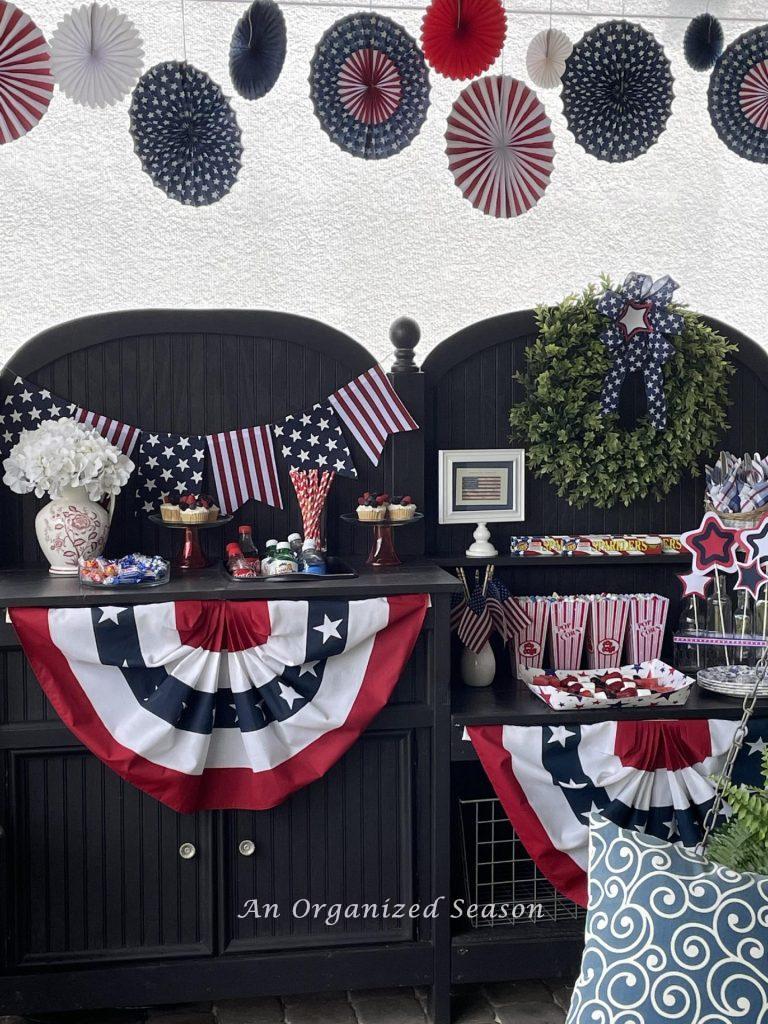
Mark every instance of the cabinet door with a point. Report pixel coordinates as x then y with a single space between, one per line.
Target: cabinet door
344 841
101 871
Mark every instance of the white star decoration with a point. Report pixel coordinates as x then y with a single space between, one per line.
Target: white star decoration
329 629
110 613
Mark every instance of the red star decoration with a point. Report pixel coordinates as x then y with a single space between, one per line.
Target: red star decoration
712 545
629 316
751 577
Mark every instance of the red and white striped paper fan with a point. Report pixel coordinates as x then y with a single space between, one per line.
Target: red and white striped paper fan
500 145
26 82
369 86
753 94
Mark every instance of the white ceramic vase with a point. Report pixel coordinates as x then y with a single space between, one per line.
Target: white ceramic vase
478 669
72 527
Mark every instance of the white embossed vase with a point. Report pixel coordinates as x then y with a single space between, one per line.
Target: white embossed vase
72 527
478 669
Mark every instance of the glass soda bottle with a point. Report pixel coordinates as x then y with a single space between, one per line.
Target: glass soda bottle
237 565
689 658
269 558
314 561
743 625
294 539
719 620
284 561
248 548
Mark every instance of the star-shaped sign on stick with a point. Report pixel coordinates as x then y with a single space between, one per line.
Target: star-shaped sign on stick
695 583
755 540
712 545
751 577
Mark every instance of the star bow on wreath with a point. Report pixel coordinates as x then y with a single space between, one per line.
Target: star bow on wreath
638 339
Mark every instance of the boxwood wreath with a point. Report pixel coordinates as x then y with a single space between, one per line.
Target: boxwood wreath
590 458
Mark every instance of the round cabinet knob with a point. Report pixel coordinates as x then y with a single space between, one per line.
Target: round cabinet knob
247 847
187 851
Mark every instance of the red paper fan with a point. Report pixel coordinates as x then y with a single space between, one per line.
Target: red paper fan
500 146
462 38
26 82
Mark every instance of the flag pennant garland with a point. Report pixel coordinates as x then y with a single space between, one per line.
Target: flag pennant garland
168 464
243 464
651 776
371 410
221 704
314 440
475 625
121 435
25 407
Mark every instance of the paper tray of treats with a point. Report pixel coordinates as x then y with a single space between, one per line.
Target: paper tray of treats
646 684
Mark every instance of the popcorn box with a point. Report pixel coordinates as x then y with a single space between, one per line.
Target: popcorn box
608 616
531 617
567 629
647 619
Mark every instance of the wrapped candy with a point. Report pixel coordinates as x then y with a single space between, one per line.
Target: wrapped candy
126 571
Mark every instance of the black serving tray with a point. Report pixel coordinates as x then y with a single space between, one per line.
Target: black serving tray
337 570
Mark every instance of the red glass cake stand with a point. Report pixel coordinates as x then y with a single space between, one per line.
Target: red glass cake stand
382 554
190 556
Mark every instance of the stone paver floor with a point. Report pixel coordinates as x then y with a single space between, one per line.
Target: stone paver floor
534 1002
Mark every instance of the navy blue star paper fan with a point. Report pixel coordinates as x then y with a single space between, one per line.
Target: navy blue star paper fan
370 86
185 133
617 91
314 440
257 50
738 95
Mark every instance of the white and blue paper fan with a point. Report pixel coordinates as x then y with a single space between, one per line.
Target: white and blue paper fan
370 85
257 50
185 133
617 91
738 95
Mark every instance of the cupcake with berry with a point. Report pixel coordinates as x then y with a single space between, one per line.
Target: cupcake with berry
402 506
198 508
372 507
169 510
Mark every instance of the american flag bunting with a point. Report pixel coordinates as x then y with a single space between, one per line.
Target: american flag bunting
314 440
243 464
168 464
372 410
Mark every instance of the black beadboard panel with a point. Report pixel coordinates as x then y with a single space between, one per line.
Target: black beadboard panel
21 697
345 839
97 869
198 383
411 687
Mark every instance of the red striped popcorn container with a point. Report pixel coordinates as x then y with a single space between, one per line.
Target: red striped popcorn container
608 616
647 619
567 630
529 632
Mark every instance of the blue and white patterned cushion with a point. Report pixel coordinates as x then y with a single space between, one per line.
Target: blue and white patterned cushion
670 938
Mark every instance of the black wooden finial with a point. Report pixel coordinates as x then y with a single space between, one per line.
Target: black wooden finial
404 335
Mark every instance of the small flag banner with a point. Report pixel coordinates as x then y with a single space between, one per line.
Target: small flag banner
314 440
121 435
243 463
221 704
371 409
651 776
168 465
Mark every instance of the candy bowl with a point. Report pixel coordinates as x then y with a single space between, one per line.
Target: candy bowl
129 571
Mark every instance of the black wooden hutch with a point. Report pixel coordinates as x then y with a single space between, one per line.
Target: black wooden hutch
97 906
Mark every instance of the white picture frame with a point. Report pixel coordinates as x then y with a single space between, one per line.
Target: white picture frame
481 485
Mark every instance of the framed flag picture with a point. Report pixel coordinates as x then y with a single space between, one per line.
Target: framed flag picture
482 486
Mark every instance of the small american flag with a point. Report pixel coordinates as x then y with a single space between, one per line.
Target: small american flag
168 464
475 625
314 440
502 609
243 463
486 488
371 409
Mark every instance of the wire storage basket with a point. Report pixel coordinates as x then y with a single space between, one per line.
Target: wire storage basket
503 885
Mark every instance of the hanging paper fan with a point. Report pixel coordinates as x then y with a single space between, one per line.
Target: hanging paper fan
257 50
547 53
617 91
26 83
96 55
738 95
369 85
462 38
703 42
500 146
185 133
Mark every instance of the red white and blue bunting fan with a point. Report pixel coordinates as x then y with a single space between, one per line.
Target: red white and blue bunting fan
185 133
26 82
500 146
738 95
703 42
638 339
96 55
257 50
369 85
462 38
546 56
617 91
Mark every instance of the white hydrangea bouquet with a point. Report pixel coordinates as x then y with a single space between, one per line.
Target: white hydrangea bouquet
64 453
76 467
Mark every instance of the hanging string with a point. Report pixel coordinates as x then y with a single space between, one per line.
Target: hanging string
92 12
184 31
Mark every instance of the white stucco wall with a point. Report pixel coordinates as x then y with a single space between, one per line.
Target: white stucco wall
355 243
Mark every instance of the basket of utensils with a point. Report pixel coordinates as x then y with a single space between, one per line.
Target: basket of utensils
737 489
